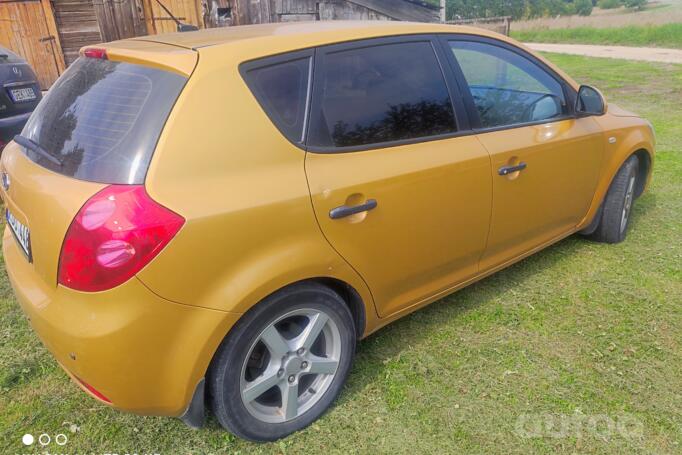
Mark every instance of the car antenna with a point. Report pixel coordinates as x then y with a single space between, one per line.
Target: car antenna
181 27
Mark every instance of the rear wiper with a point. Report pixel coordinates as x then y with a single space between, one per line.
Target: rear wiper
35 147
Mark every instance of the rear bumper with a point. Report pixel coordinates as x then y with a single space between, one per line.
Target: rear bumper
143 353
11 126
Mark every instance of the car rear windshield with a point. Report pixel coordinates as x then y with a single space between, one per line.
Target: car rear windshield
101 120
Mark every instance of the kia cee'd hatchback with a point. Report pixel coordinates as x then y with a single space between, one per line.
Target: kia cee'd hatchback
211 220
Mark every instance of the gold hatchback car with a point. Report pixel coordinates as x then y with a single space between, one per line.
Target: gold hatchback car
212 219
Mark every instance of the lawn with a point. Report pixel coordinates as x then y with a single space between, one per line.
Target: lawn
667 35
575 349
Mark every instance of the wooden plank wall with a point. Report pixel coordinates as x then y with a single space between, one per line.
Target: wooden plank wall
77 25
296 10
261 11
24 29
50 39
401 10
119 19
187 11
342 10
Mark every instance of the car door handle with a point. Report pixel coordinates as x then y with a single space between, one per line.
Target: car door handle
506 170
344 210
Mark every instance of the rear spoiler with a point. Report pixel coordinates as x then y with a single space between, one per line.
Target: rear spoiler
146 52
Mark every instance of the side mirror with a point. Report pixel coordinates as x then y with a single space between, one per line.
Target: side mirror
590 101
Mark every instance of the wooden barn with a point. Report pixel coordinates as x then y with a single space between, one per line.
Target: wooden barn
49 33
259 11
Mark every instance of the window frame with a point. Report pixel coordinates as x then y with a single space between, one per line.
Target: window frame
569 93
459 111
278 59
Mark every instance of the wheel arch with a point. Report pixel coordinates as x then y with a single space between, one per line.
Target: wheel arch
349 294
645 159
633 145
353 299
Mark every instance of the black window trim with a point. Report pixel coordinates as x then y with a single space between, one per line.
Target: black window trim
569 93
459 111
466 115
278 59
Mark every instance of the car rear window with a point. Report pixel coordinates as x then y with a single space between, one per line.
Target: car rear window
102 119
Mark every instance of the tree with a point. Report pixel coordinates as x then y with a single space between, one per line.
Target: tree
583 7
637 4
609 4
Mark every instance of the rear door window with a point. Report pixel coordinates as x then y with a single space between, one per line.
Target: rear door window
282 88
101 120
380 94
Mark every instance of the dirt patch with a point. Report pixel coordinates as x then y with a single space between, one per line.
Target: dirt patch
648 54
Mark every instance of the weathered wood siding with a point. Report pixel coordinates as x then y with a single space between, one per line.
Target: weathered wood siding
27 27
400 10
49 33
77 25
295 10
119 19
261 11
341 10
187 11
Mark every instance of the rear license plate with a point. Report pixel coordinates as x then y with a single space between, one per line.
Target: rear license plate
22 95
21 233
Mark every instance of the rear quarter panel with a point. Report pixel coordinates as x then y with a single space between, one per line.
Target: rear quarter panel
250 227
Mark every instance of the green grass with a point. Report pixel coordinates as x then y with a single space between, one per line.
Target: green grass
667 35
580 329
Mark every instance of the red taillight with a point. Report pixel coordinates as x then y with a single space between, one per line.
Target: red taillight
95 52
116 233
93 390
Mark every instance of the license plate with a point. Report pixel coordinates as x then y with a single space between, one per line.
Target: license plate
21 233
21 95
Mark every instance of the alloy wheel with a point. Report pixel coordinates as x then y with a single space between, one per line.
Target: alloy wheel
627 205
290 365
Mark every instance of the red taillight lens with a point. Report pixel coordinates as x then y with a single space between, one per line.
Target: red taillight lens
93 390
95 52
116 233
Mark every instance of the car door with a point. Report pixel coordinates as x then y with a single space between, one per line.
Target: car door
400 187
545 161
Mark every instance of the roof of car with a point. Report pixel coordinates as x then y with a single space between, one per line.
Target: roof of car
247 42
317 31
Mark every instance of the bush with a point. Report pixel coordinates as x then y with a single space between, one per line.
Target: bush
638 4
609 4
583 7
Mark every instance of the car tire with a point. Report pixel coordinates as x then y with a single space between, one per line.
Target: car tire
273 349
617 205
